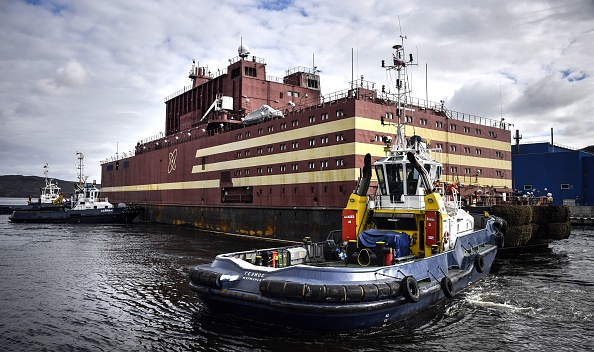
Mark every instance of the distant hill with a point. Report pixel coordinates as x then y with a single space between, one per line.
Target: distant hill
18 186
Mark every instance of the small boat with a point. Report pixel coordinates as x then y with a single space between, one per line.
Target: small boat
50 198
403 248
86 206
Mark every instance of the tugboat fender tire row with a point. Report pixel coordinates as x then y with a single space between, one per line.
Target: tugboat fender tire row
479 263
337 293
206 277
447 286
410 289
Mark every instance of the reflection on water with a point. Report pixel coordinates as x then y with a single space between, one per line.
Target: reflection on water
89 287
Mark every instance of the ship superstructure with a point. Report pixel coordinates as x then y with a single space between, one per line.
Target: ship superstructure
249 153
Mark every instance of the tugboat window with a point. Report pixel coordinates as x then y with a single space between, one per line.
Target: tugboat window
395 176
412 180
381 179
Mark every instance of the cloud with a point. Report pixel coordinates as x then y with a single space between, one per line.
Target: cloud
84 76
71 76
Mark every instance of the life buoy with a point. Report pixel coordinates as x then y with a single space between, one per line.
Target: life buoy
447 286
450 188
364 257
446 237
479 263
410 289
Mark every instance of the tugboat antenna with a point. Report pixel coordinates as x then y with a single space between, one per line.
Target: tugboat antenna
81 174
400 28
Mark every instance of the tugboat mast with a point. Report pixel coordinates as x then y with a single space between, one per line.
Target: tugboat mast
82 180
402 88
45 171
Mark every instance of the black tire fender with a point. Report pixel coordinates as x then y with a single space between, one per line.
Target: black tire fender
410 289
447 286
479 263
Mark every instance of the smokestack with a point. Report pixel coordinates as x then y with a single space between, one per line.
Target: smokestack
517 138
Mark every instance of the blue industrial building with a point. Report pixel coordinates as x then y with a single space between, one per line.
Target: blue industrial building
542 168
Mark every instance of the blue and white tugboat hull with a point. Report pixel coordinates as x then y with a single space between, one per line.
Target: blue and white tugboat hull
325 296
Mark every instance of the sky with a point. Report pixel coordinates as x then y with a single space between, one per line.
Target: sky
91 76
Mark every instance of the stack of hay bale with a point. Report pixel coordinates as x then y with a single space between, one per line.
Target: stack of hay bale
527 225
551 223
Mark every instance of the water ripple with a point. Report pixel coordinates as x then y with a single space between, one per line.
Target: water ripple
125 288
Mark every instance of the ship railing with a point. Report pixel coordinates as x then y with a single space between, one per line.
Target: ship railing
499 199
178 138
155 137
390 99
335 96
450 195
248 58
119 156
315 103
440 109
209 74
362 83
274 79
179 92
300 69
403 202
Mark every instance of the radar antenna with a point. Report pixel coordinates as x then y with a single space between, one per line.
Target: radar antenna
243 50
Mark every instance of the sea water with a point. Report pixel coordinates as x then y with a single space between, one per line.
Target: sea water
76 287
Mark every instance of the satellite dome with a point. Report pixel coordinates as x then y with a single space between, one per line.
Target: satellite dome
243 50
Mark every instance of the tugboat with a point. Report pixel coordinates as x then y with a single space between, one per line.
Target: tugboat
50 198
51 194
86 206
402 249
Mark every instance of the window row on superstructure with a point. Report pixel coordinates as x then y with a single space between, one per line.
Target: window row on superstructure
284 125
284 146
311 165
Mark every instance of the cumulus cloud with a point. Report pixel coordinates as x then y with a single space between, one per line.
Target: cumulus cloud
70 76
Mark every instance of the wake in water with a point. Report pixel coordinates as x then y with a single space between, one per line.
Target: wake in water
501 306
490 296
